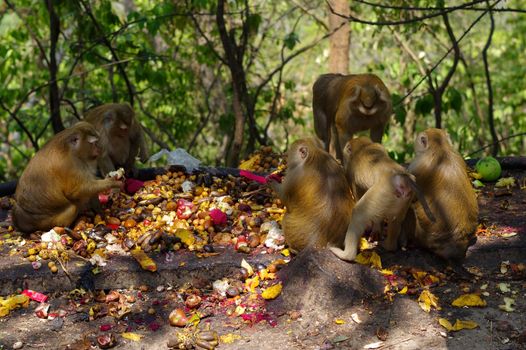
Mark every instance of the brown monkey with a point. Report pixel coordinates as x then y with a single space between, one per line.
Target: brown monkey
121 133
384 190
60 181
441 174
317 196
345 104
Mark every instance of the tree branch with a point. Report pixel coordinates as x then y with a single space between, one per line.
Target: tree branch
33 35
456 54
205 119
54 96
107 43
431 8
447 10
491 119
447 53
20 124
496 141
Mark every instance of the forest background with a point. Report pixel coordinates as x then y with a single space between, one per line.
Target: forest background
222 78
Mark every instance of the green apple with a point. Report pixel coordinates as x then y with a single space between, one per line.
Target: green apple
489 168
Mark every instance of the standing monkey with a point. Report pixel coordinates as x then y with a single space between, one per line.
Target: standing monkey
384 190
317 196
441 174
122 135
60 181
345 104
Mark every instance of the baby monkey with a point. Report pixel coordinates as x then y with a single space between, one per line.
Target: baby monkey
385 191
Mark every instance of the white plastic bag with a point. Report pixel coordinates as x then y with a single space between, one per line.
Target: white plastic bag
177 157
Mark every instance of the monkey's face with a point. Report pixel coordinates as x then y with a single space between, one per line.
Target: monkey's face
85 143
118 123
122 126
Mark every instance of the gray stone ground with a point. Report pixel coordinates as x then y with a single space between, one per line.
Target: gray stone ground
316 284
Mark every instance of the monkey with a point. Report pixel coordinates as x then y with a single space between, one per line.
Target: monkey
317 197
384 190
441 174
122 135
345 104
59 181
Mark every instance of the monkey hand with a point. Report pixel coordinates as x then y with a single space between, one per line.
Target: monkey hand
144 157
275 185
116 183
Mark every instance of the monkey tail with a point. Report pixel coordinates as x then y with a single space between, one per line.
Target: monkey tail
421 198
350 245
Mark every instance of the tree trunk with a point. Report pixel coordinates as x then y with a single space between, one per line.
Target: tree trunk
54 99
340 40
237 144
234 59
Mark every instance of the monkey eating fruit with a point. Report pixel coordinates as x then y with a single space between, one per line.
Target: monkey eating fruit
60 180
121 134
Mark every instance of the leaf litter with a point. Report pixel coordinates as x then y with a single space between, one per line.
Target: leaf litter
160 218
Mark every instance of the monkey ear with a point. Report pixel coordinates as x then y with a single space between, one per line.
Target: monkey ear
422 139
74 140
303 152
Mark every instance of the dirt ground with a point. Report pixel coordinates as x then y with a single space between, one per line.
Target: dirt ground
324 304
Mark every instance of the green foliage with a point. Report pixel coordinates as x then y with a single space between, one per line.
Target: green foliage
424 105
453 100
291 39
399 109
173 57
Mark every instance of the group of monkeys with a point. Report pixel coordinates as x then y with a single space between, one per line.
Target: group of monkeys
61 179
431 204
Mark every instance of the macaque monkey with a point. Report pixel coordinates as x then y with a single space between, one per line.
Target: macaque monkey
441 174
384 190
317 196
122 135
345 104
60 181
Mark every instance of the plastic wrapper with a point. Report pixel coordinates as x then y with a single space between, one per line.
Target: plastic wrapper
177 157
36 296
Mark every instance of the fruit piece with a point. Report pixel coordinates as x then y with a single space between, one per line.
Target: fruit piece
489 168
272 292
192 301
144 260
178 318
106 341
